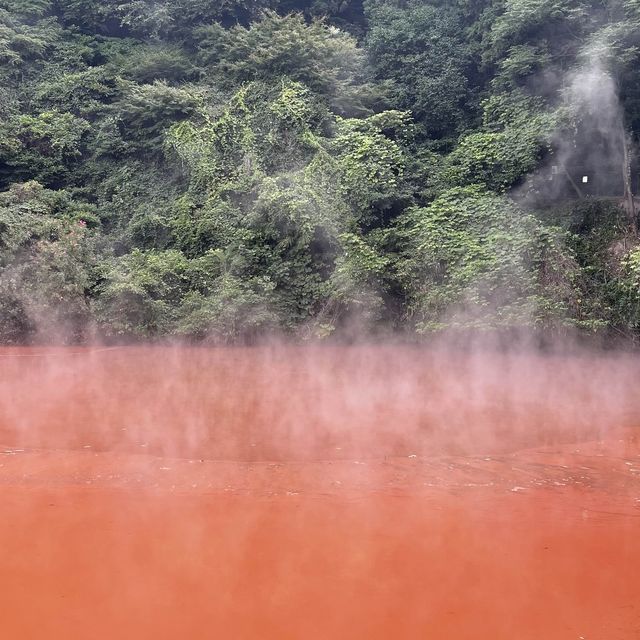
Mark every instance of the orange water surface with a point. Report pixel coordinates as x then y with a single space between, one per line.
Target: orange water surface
303 492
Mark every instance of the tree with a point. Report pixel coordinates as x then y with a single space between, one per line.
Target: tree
476 261
48 254
420 49
45 147
216 169
145 111
372 157
140 292
317 55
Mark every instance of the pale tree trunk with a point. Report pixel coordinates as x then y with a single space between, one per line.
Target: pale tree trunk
628 203
572 182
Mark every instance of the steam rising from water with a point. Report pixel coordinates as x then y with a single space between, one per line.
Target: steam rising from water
288 403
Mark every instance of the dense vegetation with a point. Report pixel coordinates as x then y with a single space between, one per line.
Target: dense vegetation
221 168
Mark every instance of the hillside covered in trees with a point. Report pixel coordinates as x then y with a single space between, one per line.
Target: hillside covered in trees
219 169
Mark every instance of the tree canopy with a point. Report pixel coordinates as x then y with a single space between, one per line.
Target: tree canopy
222 169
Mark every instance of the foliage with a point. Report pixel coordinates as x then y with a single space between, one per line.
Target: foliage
221 169
145 111
319 56
495 160
419 48
604 250
45 147
483 263
47 259
371 156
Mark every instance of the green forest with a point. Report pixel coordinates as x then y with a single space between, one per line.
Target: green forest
225 169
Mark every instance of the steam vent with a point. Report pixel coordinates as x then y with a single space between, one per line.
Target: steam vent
595 169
